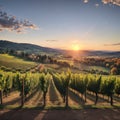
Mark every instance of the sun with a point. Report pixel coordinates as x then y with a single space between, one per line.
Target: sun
75 47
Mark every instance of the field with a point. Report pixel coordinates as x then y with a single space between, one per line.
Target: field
34 96
60 60
29 101
33 108
15 63
83 67
76 68
55 107
55 101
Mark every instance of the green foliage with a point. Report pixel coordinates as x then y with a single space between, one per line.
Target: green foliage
79 82
58 80
44 82
31 81
11 63
94 84
62 82
2 82
108 86
117 87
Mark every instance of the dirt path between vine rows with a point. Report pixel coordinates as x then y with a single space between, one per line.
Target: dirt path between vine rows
84 114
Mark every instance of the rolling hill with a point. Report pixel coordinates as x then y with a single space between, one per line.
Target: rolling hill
32 48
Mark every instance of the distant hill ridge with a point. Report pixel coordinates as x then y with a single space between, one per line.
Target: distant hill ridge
4 44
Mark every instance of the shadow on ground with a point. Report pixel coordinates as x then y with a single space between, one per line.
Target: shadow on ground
63 114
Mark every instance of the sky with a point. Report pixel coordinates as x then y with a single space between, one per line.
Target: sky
64 24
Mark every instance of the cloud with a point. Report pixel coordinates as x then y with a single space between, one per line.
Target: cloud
11 23
96 5
51 40
85 1
116 2
115 44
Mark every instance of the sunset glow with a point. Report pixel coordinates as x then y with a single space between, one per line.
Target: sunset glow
75 47
62 24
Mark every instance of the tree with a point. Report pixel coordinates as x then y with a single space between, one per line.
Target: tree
2 85
86 85
20 87
114 71
59 85
79 82
67 82
108 88
117 87
8 84
94 86
44 83
62 82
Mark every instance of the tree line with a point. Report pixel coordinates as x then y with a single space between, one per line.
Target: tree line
111 63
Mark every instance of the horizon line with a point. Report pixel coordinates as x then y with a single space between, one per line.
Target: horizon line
62 48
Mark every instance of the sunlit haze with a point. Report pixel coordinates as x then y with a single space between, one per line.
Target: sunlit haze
75 47
62 24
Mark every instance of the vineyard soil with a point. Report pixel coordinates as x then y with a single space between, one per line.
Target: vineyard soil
87 114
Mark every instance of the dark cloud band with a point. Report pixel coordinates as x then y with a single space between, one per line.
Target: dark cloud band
51 40
116 2
11 23
115 44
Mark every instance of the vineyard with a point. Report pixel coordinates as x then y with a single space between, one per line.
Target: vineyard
57 90
12 63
